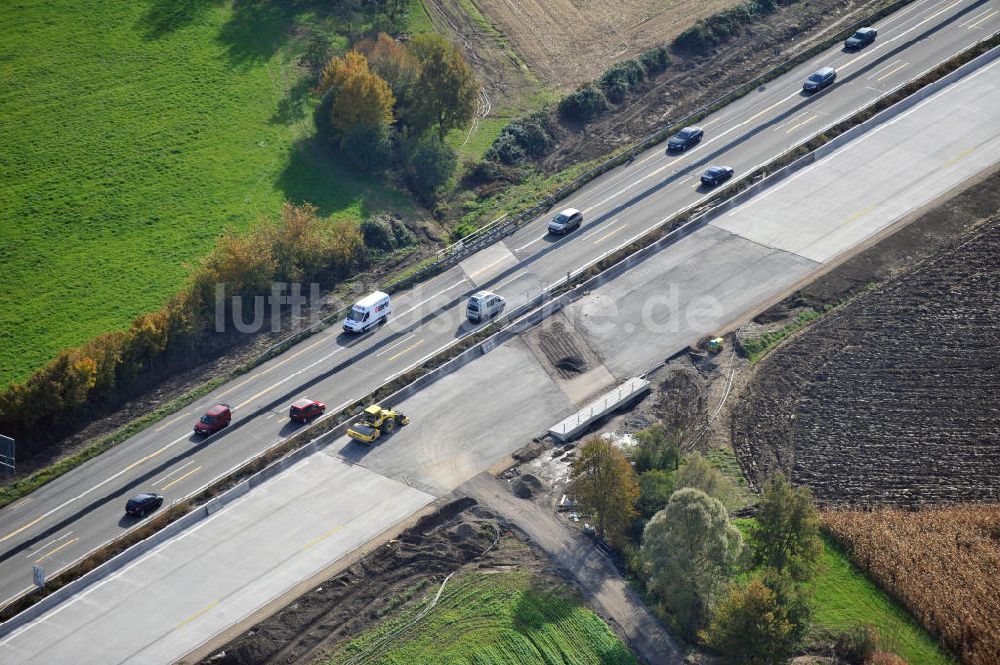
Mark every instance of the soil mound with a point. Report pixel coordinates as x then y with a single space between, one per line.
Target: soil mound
527 486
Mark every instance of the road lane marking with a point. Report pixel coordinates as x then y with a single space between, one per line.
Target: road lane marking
182 466
196 614
610 233
503 258
859 214
978 18
891 72
88 491
174 482
51 542
186 414
407 349
960 156
538 239
51 552
517 275
20 502
762 112
882 69
426 300
293 375
799 124
323 537
405 339
275 366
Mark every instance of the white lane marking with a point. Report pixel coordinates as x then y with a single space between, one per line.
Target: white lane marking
51 542
538 239
517 275
882 44
975 26
291 376
427 300
157 482
390 348
892 71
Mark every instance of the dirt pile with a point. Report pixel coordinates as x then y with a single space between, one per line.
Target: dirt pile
895 398
346 604
527 486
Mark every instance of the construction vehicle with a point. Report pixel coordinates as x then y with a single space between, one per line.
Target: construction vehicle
714 345
376 422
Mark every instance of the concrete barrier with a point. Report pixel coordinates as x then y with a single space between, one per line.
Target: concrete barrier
610 401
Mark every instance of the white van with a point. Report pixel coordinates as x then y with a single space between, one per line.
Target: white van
484 305
372 310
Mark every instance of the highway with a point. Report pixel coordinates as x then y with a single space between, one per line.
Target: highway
186 591
67 518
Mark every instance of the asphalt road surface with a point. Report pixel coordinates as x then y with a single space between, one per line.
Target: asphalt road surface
171 599
62 521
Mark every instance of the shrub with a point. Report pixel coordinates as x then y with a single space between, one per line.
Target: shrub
367 146
585 104
403 235
460 231
655 60
524 137
695 40
430 165
750 626
620 78
858 644
655 488
378 235
654 450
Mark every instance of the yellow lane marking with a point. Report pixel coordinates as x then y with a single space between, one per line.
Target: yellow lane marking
406 350
482 270
774 105
323 537
170 422
196 614
393 346
177 480
799 124
609 234
960 156
51 552
892 71
972 26
274 366
859 214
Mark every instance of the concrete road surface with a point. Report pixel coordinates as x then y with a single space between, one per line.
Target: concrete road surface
170 600
64 520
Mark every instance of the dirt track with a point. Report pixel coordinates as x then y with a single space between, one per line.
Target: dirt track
895 398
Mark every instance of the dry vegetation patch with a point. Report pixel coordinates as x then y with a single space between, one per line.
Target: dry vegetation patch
942 563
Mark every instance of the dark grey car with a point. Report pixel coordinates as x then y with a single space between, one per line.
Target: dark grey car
143 504
863 37
820 79
685 138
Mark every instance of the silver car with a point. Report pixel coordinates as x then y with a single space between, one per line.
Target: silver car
566 221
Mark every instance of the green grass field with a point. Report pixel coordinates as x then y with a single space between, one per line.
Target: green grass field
133 133
501 618
845 597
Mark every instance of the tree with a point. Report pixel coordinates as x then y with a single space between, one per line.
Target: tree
699 473
430 165
689 549
603 483
786 537
750 626
397 66
655 488
655 450
446 89
360 97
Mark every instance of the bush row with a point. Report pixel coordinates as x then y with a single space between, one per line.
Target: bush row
592 99
722 26
85 381
530 136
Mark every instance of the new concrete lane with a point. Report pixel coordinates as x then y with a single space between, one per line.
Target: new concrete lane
257 548
307 517
68 517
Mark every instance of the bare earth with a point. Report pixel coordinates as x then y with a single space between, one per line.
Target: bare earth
568 42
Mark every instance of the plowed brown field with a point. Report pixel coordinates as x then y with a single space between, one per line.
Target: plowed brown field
894 398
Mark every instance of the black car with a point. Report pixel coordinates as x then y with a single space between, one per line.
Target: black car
716 175
685 138
143 504
820 79
863 37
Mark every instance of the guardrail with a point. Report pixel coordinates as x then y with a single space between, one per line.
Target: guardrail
499 228
539 307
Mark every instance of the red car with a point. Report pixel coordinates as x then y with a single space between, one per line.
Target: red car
306 409
214 419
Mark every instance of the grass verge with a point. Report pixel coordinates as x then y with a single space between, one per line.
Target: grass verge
511 617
